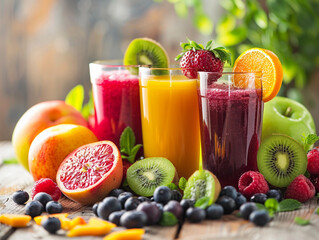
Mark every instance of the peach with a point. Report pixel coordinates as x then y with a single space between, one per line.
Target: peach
52 145
38 118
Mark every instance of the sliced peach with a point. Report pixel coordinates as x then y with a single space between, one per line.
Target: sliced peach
15 220
129 234
95 227
76 221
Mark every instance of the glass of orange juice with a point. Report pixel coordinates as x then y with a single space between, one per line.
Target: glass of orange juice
170 117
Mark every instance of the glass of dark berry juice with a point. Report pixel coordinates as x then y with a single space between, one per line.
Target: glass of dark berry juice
231 110
116 100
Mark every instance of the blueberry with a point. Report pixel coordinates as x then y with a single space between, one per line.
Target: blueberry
273 193
124 196
187 203
195 215
20 197
133 219
214 211
107 206
143 199
34 208
174 207
152 199
229 191
43 198
160 206
94 208
259 217
240 200
131 203
227 203
259 198
152 211
246 209
176 195
115 192
115 217
162 194
51 224
53 207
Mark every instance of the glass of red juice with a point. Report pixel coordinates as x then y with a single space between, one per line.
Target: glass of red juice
230 122
116 98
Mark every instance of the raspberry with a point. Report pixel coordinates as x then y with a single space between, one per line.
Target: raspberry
126 165
313 161
48 186
315 182
251 183
300 189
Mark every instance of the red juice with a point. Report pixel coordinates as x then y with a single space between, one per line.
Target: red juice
231 125
117 105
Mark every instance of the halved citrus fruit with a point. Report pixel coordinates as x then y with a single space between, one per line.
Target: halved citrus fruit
90 172
264 61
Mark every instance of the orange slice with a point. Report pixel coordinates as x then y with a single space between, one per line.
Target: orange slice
264 61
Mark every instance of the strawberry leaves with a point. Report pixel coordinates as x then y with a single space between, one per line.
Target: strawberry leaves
220 52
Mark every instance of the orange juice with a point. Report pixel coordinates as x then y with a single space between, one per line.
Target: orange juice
170 120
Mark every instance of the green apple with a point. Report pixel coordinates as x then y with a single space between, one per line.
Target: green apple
286 116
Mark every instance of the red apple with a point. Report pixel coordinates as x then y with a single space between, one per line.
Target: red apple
38 118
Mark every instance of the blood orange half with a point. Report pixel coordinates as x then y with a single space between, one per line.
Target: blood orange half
90 172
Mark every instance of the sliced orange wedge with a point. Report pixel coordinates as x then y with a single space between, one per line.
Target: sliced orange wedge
264 61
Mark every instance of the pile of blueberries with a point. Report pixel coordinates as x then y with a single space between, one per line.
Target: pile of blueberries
40 203
124 209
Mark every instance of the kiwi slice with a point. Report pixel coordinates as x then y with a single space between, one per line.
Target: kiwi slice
144 176
202 184
281 159
145 51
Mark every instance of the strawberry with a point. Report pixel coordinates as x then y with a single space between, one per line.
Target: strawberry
195 57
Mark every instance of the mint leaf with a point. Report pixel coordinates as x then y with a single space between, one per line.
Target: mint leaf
127 140
75 97
172 186
182 183
168 219
88 108
10 161
272 206
309 140
202 202
261 206
289 205
302 221
133 153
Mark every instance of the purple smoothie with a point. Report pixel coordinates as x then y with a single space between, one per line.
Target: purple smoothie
117 105
231 125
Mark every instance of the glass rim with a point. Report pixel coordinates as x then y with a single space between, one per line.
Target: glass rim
165 69
114 63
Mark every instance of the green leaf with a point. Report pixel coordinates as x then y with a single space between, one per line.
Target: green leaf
172 186
309 140
10 161
182 183
179 56
168 219
261 19
127 140
272 206
261 206
302 221
75 97
88 108
202 202
209 44
133 153
289 205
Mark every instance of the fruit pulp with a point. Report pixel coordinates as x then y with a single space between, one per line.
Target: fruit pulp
170 121
230 124
117 105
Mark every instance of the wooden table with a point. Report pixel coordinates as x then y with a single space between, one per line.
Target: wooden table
13 177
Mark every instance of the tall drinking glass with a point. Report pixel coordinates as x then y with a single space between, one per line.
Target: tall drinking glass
116 100
170 117
230 122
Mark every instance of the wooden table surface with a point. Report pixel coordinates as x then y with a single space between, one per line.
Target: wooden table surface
13 177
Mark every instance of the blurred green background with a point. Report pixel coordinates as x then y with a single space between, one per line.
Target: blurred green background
46 46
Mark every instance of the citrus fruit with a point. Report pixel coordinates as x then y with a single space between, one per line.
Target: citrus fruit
90 172
264 61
